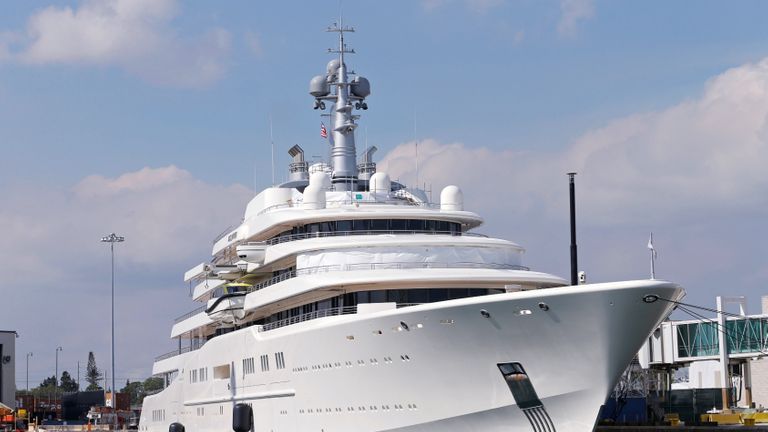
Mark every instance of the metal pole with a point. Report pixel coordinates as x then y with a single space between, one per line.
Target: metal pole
112 239
56 383
574 263
114 396
29 354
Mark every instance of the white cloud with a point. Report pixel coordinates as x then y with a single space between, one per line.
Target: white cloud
705 154
167 216
694 173
134 35
572 12
58 267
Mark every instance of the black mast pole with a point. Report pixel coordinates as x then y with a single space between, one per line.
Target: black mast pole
574 263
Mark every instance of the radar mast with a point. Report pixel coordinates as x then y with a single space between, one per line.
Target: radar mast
346 95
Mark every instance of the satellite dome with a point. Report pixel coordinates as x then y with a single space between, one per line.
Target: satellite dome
361 87
333 66
320 180
451 198
380 183
318 86
314 197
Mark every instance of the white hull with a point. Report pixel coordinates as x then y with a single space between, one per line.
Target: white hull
441 374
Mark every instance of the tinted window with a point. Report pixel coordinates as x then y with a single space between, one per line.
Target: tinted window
344 225
380 224
362 225
441 226
397 224
416 225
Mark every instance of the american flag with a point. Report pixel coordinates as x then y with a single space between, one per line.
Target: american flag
323 131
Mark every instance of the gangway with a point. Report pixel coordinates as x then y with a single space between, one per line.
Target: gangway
679 343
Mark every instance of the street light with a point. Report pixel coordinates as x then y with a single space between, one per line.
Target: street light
56 382
56 376
29 354
113 238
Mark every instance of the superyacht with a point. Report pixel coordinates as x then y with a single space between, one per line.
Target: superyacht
346 302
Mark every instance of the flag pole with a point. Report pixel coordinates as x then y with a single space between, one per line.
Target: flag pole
653 256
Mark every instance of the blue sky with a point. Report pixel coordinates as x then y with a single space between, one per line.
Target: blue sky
151 118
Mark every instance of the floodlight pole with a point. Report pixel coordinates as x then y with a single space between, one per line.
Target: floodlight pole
113 238
56 381
29 354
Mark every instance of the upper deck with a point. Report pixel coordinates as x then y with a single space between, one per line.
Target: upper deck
276 210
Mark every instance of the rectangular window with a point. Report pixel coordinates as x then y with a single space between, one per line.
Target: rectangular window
221 372
280 360
344 225
397 225
362 225
248 366
416 225
264 363
379 225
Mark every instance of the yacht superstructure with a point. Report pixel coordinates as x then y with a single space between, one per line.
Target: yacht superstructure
345 301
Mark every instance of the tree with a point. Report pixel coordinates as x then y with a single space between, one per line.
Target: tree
46 389
48 382
153 384
92 374
66 383
136 390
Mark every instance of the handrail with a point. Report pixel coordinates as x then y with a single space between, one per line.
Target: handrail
364 266
341 310
352 201
304 236
189 314
176 352
227 231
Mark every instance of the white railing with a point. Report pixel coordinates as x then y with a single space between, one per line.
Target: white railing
363 266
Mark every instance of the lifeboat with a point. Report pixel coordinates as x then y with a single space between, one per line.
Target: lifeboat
252 252
226 303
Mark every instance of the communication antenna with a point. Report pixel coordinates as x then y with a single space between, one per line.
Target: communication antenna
272 143
416 141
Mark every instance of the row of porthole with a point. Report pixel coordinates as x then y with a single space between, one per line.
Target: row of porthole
385 408
349 364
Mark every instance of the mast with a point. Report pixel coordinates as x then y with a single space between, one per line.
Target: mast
348 95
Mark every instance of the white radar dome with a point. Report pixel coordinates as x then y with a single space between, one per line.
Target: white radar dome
380 183
451 198
320 180
314 197
319 87
333 66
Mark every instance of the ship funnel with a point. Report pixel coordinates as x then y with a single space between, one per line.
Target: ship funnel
298 169
367 167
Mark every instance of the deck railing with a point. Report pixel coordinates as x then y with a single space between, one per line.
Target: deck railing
304 236
179 351
363 266
341 310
